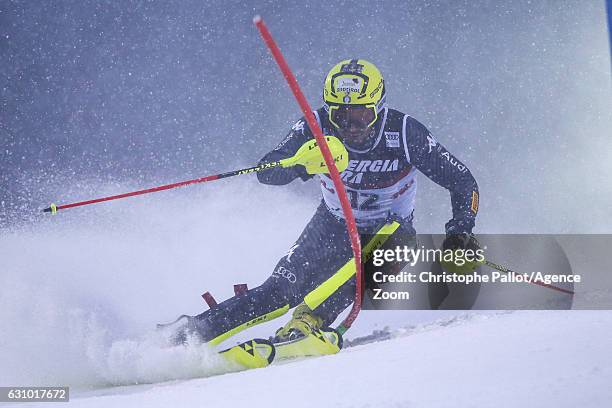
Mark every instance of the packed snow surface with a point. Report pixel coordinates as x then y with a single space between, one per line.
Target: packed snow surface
535 359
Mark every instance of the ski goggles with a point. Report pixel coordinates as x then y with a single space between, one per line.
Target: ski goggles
355 116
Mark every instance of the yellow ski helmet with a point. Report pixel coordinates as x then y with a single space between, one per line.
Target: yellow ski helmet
354 83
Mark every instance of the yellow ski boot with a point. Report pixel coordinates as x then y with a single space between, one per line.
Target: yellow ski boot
304 336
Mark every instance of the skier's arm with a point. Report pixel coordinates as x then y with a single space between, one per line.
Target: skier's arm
298 135
438 164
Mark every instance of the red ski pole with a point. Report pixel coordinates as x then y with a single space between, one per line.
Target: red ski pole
539 283
309 156
333 171
55 208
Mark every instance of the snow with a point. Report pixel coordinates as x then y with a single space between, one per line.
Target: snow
521 359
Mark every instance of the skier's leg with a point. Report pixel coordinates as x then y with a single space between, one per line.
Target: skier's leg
321 249
238 313
344 296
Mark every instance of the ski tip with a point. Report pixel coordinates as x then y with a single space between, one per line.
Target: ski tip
256 19
255 353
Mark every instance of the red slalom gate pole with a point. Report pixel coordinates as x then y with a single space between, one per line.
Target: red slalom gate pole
335 176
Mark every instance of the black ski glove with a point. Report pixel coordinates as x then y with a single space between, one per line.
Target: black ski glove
467 253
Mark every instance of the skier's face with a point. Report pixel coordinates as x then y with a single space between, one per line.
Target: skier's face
354 123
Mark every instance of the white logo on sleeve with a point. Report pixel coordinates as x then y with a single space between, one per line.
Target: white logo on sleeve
432 142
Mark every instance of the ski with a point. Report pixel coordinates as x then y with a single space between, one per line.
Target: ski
259 353
255 353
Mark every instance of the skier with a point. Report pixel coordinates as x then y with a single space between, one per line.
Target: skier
386 147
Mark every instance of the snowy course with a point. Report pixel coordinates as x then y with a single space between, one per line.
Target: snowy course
527 359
